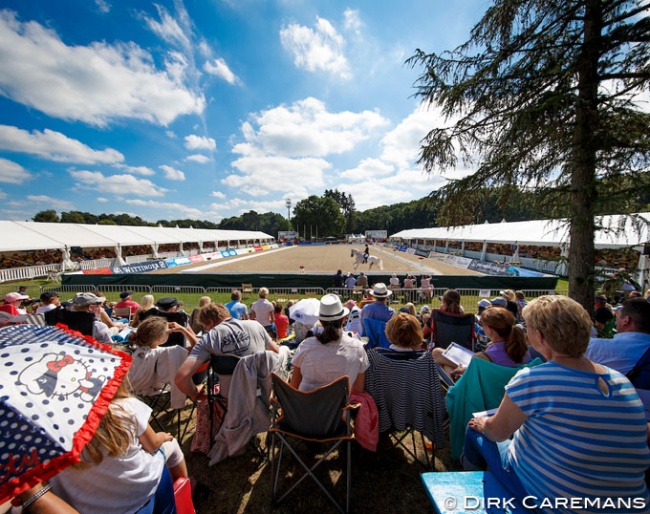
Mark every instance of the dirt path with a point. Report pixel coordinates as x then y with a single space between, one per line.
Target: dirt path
319 259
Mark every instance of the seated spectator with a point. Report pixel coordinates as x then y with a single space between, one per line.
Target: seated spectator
362 281
411 309
378 308
194 317
507 346
426 288
511 298
263 311
127 301
331 353
569 419
450 304
13 303
350 282
604 323
521 303
404 333
154 366
221 334
237 309
49 300
121 467
281 322
425 314
146 304
394 282
88 302
353 324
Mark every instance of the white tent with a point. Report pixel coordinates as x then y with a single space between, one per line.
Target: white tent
24 236
619 231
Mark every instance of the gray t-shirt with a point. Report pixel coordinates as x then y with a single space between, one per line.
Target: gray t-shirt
239 337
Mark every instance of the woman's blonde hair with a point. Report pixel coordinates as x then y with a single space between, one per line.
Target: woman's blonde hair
147 302
114 434
149 331
263 292
204 300
412 310
565 323
404 330
502 322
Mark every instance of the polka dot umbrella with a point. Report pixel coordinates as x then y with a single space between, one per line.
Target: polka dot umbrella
55 386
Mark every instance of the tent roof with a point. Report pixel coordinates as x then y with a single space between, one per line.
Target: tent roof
618 231
28 235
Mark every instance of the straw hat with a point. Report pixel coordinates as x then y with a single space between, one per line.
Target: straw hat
331 308
379 290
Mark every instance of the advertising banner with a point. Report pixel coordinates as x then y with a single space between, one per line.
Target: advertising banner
490 268
228 253
197 258
141 267
287 235
98 271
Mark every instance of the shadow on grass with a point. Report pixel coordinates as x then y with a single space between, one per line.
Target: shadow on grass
387 481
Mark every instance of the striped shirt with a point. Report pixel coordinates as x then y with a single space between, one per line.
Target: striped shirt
578 442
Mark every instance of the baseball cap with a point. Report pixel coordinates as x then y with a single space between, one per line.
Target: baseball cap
126 294
499 301
484 303
12 297
83 299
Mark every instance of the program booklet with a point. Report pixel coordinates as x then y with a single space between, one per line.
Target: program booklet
458 354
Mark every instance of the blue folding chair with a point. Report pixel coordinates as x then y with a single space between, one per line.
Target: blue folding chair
375 331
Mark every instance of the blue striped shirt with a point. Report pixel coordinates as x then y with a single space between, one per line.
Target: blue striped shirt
579 442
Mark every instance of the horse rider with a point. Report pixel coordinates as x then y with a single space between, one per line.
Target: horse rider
366 254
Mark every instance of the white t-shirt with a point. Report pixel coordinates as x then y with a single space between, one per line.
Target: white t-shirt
321 364
262 308
117 485
42 309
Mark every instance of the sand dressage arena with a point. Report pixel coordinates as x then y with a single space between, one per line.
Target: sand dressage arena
324 258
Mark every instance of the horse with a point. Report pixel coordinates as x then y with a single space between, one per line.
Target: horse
371 259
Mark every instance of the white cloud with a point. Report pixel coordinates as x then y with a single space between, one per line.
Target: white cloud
170 134
136 170
262 175
12 172
219 68
95 83
193 142
3 195
116 184
101 199
172 173
352 21
103 6
54 146
307 128
217 194
168 29
176 210
318 49
201 159
59 205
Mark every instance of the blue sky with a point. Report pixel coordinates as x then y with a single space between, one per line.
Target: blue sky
206 109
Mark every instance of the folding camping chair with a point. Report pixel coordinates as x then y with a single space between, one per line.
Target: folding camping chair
456 328
80 321
375 331
221 367
408 393
322 416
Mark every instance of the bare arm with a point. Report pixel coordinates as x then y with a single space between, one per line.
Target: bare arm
272 346
360 383
296 377
186 331
184 382
151 440
503 424
49 503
